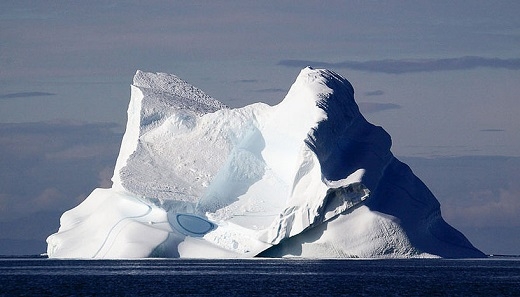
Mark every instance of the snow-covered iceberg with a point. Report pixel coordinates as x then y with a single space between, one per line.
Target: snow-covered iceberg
308 177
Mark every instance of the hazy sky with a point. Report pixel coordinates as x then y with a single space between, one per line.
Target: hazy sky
442 77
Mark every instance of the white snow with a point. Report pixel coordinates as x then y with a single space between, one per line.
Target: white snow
308 177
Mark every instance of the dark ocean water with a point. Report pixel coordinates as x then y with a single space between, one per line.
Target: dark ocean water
259 277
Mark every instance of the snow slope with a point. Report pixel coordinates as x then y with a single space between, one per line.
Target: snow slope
308 177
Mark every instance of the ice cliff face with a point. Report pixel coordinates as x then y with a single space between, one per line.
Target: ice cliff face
308 177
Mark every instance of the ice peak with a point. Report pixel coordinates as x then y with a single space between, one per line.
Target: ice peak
328 90
180 93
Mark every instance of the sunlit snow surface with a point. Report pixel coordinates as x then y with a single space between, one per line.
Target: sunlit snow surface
309 177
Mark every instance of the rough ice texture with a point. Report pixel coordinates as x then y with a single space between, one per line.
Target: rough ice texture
309 177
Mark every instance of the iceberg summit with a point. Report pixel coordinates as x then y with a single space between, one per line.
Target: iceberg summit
309 177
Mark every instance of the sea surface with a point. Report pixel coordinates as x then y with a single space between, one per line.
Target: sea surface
33 276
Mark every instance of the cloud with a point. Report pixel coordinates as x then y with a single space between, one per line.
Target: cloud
25 95
47 166
105 177
369 107
479 196
474 191
49 199
400 66
491 208
374 93
492 130
271 90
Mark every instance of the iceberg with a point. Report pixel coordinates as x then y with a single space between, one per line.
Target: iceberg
308 177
